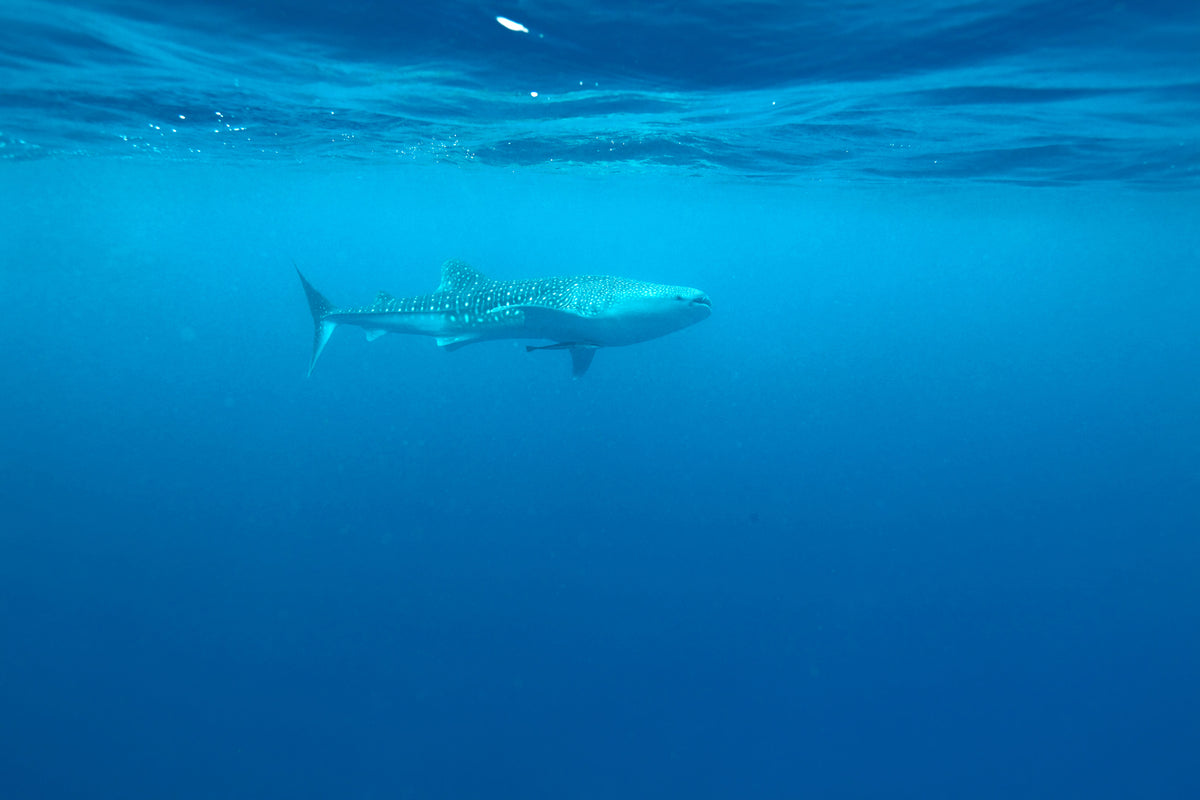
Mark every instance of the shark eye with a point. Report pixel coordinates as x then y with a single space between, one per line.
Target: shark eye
678 297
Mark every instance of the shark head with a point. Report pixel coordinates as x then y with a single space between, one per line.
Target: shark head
634 311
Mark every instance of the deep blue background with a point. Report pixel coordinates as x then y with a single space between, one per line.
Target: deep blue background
915 513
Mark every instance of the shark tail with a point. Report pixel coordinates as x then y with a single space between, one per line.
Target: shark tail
323 327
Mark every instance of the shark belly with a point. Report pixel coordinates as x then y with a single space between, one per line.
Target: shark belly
597 331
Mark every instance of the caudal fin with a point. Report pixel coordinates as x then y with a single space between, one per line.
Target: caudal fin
321 308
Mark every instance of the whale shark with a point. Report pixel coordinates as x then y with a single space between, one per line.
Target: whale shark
577 313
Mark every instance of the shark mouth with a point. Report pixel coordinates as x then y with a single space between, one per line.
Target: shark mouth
702 300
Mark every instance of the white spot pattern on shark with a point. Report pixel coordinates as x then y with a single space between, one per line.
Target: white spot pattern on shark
580 313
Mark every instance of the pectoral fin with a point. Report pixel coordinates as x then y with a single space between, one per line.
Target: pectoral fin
581 354
581 359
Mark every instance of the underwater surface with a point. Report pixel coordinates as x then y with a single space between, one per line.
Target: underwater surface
915 513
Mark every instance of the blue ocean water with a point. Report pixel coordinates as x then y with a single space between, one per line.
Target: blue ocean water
915 513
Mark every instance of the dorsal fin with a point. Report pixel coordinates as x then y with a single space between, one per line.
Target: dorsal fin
458 275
